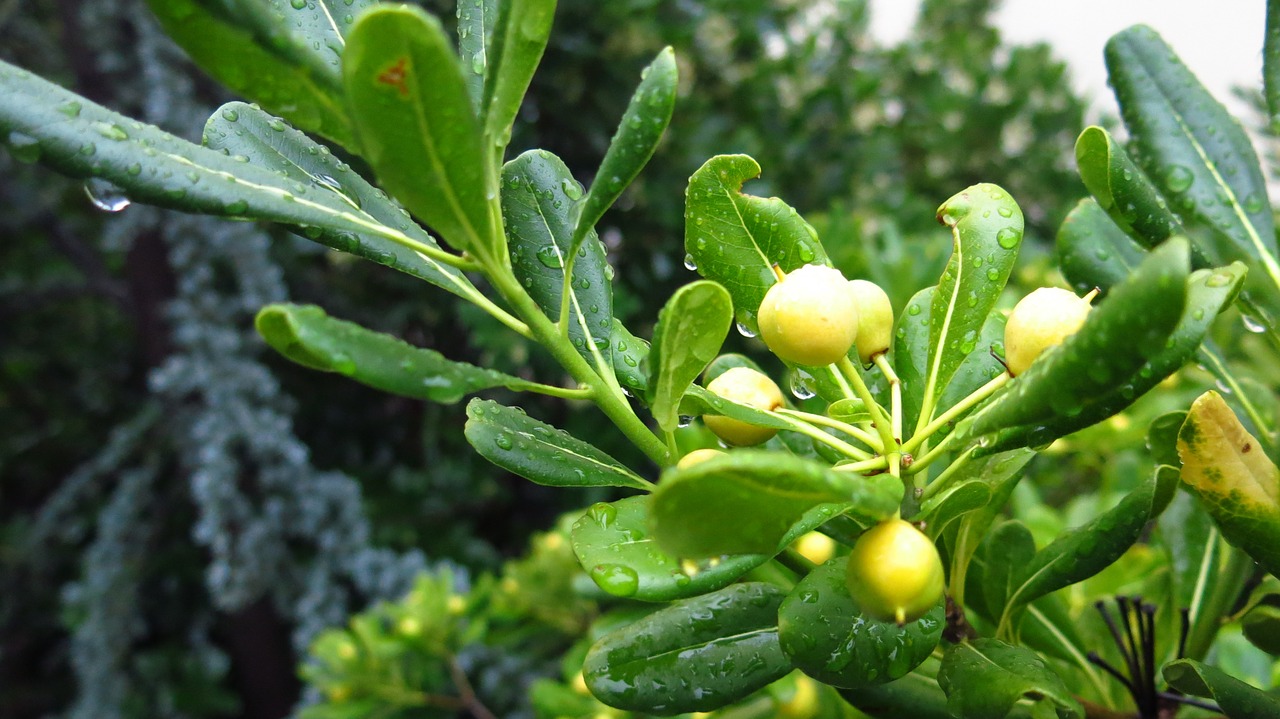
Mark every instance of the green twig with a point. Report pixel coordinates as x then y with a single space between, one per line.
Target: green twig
964 405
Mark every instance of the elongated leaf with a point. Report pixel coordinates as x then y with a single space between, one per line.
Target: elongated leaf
986 232
698 655
1271 64
1092 251
1084 551
629 355
1008 550
1260 620
699 401
985 678
476 22
1201 156
981 366
245 131
745 501
1224 466
541 453
519 38
911 353
691 329
634 142
917 695
81 139
827 637
536 209
1123 190
409 103
307 33
736 239
308 336
973 487
306 92
1191 543
1119 336
1237 699
614 545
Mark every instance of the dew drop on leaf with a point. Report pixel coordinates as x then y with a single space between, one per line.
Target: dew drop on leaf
105 196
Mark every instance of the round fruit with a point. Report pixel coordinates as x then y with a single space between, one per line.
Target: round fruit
744 386
816 547
895 573
697 456
810 317
1041 320
875 319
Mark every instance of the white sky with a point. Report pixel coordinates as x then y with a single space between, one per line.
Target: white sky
1220 40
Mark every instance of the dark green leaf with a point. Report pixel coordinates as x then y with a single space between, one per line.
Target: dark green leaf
699 401
1007 551
536 207
736 239
245 131
973 487
691 329
698 655
1123 190
296 77
476 22
1162 437
1092 251
306 335
1192 545
917 695
1237 699
977 369
1261 626
1226 468
634 142
746 501
614 545
629 355
519 38
410 107
827 637
541 453
1271 64
911 353
985 678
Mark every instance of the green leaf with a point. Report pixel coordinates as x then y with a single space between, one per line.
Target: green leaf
977 369
697 655
736 239
291 75
245 131
911 353
827 637
536 208
1092 251
917 695
1191 543
986 231
1237 699
308 336
1119 336
1201 156
1123 190
541 453
1080 553
629 355
746 501
1162 437
1007 551
985 678
519 38
1260 622
1271 64
476 22
634 142
972 488
409 103
614 545
699 401
1224 466
691 329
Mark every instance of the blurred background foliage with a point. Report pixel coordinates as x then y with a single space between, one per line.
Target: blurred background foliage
185 513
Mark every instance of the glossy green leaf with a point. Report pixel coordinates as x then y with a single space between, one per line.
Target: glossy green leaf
1237 699
691 329
519 38
985 678
917 695
308 336
476 22
629 360
747 500
409 103
634 142
291 75
849 411
1122 190
911 353
986 231
699 401
537 207
827 637
1191 543
1162 437
541 453
1120 335
1007 551
613 543
973 487
1082 552
244 131
1261 626
1092 251
981 366
1225 467
1201 157
736 239
1271 64
697 655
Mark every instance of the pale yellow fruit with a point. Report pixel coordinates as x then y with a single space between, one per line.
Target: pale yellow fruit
875 319
697 456
1041 320
810 317
895 573
816 547
804 702
743 385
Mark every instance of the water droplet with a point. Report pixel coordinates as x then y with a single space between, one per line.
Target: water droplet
744 330
1008 238
684 421
105 196
1178 178
276 124
238 207
913 310
806 252
109 131
571 188
70 108
993 275
616 579
503 441
549 256
298 4
25 148
690 263
603 514
1252 324
344 365
1005 212
801 385
478 62
230 115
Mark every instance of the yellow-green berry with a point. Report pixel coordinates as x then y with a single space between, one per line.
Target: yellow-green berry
875 319
1041 320
895 573
743 385
810 317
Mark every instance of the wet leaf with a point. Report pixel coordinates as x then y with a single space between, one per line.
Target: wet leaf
1092 251
1237 699
1007 551
629 355
917 695
476 22
1125 192
691 329
911 353
520 37
1260 622
985 678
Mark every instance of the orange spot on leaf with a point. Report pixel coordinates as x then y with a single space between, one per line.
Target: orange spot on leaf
397 76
